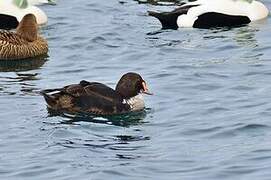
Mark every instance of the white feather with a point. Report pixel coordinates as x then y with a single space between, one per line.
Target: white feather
253 10
39 2
136 103
9 8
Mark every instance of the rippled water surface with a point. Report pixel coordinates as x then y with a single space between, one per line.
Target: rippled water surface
210 117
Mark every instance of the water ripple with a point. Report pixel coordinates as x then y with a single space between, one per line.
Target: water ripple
209 117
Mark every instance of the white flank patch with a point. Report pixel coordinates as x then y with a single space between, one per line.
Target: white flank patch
136 103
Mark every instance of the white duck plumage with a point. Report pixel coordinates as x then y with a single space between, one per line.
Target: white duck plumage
136 103
190 13
39 2
19 8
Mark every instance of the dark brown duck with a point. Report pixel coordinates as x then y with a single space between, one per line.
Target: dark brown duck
97 98
24 43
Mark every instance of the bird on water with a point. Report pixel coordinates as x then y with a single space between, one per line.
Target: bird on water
99 99
13 11
212 13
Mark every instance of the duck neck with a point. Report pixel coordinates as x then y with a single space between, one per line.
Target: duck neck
136 103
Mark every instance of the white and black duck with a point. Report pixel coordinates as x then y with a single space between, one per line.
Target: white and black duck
13 11
99 99
212 13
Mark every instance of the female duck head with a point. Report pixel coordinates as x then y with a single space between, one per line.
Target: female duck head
28 28
130 85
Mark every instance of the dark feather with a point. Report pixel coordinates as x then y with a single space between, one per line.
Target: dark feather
213 19
8 22
169 19
91 97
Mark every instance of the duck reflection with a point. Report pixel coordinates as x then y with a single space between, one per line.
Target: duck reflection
23 64
245 37
217 39
124 120
124 145
22 82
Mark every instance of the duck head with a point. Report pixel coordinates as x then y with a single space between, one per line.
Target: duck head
22 4
131 84
28 28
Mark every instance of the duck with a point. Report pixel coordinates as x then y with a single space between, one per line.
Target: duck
13 11
99 99
24 43
212 13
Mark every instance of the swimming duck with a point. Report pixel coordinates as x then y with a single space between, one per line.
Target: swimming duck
212 13
12 12
99 99
24 43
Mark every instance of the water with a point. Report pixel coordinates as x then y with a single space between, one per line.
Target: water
209 117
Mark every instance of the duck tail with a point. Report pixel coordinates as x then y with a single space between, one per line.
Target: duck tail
50 99
167 19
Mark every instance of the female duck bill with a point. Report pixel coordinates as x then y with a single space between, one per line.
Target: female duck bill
145 89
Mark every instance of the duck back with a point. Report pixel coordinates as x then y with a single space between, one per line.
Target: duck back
13 46
86 97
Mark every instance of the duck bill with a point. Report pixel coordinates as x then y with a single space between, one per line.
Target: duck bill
145 89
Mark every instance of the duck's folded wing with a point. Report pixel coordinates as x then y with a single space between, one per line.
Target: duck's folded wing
85 88
12 38
101 99
102 91
90 97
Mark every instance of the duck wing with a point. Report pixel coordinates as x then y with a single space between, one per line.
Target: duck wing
88 97
101 90
13 46
101 99
11 38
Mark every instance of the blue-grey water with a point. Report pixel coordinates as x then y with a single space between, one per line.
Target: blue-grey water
210 117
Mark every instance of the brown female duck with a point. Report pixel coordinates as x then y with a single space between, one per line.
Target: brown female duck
99 99
24 43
